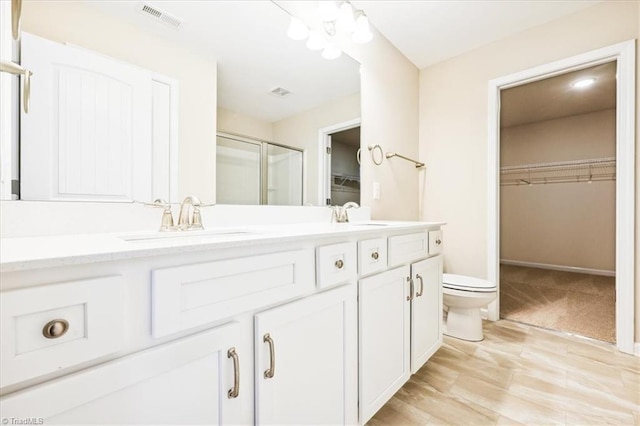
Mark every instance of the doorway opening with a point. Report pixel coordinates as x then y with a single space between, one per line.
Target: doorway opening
339 165
557 202
623 54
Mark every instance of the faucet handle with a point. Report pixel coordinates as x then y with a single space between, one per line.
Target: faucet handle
196 220
167 216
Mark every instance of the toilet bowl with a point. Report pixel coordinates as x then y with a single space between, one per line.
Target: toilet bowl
464 296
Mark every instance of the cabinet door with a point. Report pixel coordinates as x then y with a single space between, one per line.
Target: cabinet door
384 338
306 360
182 382
426 310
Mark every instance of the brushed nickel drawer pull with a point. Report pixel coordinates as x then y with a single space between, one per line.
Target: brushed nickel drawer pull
375 255
418 276
269 372
438 241
55 328
339 263
235 390
410 296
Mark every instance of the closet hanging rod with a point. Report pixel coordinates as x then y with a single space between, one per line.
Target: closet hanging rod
395 154
561 165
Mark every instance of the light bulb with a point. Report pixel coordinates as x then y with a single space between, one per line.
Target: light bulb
346 20
585 82
331 51
297 29
363 33
316 41
327 10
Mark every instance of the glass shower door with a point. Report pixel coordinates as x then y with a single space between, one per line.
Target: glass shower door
238 171
284 176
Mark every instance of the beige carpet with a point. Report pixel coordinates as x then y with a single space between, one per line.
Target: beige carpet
567 301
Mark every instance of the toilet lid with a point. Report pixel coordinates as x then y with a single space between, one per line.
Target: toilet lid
464 282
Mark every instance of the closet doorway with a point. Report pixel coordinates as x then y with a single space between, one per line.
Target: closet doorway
557 202
339 164
623 54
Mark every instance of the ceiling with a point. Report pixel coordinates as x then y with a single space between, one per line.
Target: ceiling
254 55
555 97
427 32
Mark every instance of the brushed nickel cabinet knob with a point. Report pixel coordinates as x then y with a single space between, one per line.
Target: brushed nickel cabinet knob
339 263
375 255
55 328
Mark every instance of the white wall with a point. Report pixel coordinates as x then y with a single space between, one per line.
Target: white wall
567 224
243 125
302 131
454 115
76 23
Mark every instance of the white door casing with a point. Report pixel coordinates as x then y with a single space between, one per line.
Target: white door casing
624 54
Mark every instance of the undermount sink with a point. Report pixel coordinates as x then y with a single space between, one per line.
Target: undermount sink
369 224
168 235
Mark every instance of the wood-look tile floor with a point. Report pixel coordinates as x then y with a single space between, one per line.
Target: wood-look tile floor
519 375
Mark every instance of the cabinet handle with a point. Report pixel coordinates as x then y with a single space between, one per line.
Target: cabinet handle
235 390
269 372
438 241
418 276
410 296
55 328
375 255
339 263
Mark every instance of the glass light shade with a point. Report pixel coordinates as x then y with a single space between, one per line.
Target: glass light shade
327 10
316 41
346 21
297 29
331 51
363 33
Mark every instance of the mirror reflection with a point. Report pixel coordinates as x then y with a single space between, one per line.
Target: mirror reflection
130 99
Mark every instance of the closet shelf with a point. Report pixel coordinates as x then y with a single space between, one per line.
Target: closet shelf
340 179
594 169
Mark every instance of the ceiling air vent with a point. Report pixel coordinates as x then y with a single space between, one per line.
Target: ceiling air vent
160 15
280 92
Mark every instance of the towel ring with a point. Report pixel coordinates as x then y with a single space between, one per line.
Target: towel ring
372 148
359 156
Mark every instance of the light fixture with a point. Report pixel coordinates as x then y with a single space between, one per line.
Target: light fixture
316 41
362 33
337 24
583 82
327 11
297 29
346 21
331 51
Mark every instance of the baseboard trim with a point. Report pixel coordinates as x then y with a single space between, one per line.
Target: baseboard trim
602 272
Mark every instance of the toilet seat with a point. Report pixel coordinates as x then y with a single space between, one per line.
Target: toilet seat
466 283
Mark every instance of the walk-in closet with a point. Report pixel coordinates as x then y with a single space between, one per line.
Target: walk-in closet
557 202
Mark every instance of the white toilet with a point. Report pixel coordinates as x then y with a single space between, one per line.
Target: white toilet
464 296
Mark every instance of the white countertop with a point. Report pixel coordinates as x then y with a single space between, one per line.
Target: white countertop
18 254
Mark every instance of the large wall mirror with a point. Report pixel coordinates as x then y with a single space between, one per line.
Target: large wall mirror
129 100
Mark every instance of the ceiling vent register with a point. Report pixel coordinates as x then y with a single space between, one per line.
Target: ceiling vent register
160 15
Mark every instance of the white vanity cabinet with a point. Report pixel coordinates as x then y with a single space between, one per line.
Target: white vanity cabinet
400 320
426 310
384 338
192 380
306 360
315 329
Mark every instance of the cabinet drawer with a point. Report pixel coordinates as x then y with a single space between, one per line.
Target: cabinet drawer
407 248
86 313
372 256
188 296
336 264
435 242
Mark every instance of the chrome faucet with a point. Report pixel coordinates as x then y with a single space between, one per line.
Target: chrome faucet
195 221
339 214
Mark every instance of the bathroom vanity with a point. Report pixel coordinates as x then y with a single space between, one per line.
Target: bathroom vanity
302 323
